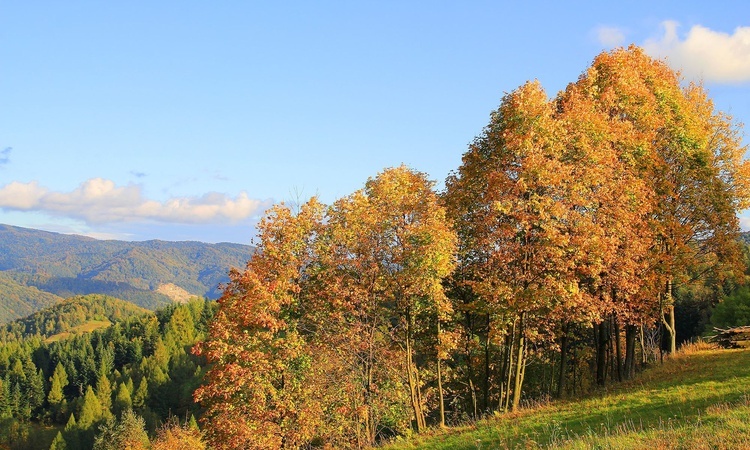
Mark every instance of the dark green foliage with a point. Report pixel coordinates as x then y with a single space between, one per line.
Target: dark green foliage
123 399
141 362
733 311
58 443
37 268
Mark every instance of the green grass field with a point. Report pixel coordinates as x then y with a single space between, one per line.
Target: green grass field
697 400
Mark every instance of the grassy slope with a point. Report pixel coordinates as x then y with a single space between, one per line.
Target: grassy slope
697 400
86 327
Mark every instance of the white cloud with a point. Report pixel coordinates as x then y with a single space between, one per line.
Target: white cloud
744 221
99 201
609 37
704 53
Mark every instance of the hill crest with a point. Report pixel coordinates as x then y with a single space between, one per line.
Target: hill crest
39 267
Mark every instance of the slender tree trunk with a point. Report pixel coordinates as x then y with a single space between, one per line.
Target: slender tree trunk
575 371
473 391
644 355
369 410
423 422
509 374
563 360
469 366
412 377
630 334
618 348
552 377
519 364
504 388
610 364
600 336
486 386
669 325
440 381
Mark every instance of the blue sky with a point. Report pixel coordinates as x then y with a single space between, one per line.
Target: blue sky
184 120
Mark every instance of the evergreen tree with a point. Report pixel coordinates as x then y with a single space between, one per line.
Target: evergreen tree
18 405
104 395
141 394
56 396
70 433
35 392
123 400
5 407
58 443
91 410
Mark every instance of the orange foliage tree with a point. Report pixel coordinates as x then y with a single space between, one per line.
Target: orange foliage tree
260 390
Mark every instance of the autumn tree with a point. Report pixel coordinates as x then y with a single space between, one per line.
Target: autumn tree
510 201
690 156
127 432
259 391
611 206
176 436
390 247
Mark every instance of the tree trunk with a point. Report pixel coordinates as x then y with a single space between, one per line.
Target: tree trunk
618 348
423 421
509 374
486 386
563 361
369 419
600 337
630 334
412 378
469 367
669 325
440 381
519 364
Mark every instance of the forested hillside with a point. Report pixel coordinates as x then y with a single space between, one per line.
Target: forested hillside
18 300
71 389
71 313
59 266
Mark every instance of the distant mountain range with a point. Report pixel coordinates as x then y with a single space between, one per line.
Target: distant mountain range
40 268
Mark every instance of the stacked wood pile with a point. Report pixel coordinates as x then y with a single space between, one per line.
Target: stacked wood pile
738 337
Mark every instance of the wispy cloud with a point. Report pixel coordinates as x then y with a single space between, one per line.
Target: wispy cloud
5 156
704 53
137 174
609 37
100 201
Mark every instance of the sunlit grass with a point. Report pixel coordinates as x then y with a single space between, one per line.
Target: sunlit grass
699 399
87 327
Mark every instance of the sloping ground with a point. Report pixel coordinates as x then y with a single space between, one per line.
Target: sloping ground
86 327
694 401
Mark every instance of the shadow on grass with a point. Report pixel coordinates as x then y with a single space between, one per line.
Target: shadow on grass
673 395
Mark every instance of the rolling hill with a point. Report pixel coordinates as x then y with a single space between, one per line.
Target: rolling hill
73 314
38 268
